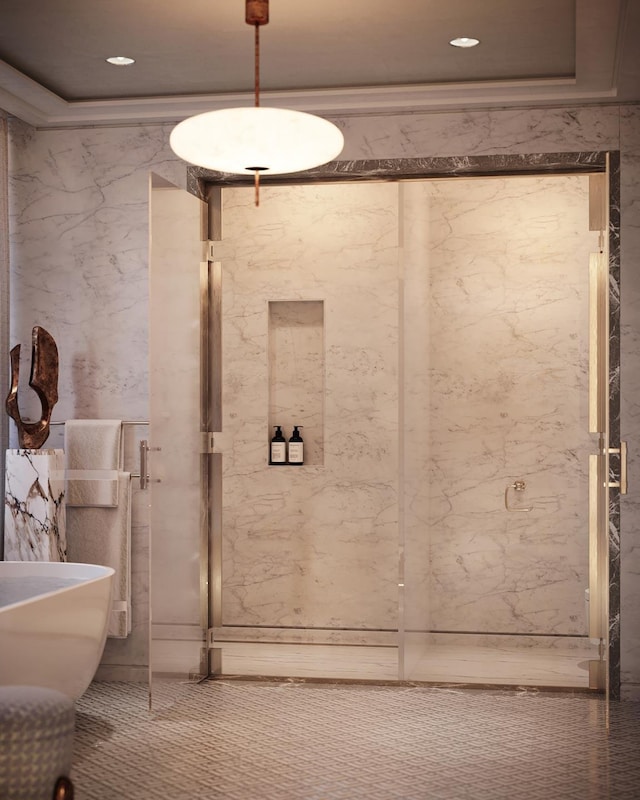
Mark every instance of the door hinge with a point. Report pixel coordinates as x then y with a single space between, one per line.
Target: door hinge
208 444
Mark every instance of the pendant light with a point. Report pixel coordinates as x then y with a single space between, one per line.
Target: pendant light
255 139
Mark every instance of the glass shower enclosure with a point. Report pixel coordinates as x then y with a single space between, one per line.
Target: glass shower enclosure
435 341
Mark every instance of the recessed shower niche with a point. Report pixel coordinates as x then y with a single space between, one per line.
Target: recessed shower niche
296 372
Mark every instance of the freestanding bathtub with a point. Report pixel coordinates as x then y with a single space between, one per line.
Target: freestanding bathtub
53 623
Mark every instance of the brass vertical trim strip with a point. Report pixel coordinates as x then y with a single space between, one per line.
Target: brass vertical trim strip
594 371
205 422
597 201
215 346
212 377
403 590
603 343
211 464
214 213
595 566
205 500
215 594
215 366
598 379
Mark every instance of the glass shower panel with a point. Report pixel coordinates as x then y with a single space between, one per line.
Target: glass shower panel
310 337
178 621
496 438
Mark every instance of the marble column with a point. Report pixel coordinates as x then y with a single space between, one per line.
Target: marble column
34 510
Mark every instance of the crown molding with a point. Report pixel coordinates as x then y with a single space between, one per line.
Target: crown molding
22 97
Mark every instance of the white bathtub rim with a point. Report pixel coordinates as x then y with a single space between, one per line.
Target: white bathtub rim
85 573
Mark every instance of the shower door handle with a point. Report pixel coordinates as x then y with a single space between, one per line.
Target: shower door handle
518 486
622 453
145 479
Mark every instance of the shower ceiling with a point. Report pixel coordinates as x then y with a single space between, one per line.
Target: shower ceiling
333 57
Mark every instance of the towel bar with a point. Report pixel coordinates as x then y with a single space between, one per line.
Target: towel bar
124 422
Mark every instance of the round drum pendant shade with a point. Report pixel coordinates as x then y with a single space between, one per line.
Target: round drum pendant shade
243 140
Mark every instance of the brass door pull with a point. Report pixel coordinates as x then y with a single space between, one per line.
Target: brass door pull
517 486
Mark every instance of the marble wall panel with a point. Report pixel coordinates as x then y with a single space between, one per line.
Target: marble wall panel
507 400
497 317
79 245
499 131
34 509
314 546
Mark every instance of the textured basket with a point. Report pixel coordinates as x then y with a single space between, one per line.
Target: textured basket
36 741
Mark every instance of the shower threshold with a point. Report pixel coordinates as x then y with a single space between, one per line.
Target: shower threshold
557 667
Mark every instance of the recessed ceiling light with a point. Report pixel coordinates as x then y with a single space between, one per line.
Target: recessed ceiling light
121 61
464 41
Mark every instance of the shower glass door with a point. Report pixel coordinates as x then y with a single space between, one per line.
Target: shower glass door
310 337
177 552
496 434
433 338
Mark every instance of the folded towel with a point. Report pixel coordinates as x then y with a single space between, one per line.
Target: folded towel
90 445
91 487
102 535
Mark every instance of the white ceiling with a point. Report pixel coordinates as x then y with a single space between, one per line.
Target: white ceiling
330 57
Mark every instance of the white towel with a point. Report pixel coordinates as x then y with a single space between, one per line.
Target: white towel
91 487
92 444
102 535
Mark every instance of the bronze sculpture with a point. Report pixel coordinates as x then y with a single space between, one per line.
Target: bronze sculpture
43 380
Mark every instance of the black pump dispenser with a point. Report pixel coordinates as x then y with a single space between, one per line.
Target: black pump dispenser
278 450
296 447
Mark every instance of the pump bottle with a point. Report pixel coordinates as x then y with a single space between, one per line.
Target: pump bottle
278 451
296 447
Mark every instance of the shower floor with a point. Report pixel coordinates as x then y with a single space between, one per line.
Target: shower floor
460 664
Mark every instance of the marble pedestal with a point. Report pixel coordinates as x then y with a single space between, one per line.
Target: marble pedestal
34 509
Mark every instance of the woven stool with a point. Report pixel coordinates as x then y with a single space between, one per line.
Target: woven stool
36 741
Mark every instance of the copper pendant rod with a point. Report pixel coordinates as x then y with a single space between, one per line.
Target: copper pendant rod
257 14
257 67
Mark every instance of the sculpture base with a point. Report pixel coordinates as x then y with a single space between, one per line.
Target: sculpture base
34 509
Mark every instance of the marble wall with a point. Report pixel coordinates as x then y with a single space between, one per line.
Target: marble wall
79 253
496 275
312 546
79 203
470 331
34 507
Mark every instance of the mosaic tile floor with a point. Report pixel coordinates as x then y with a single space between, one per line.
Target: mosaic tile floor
243 740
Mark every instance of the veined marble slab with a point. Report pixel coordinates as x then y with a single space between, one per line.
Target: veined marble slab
34 510
459 308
